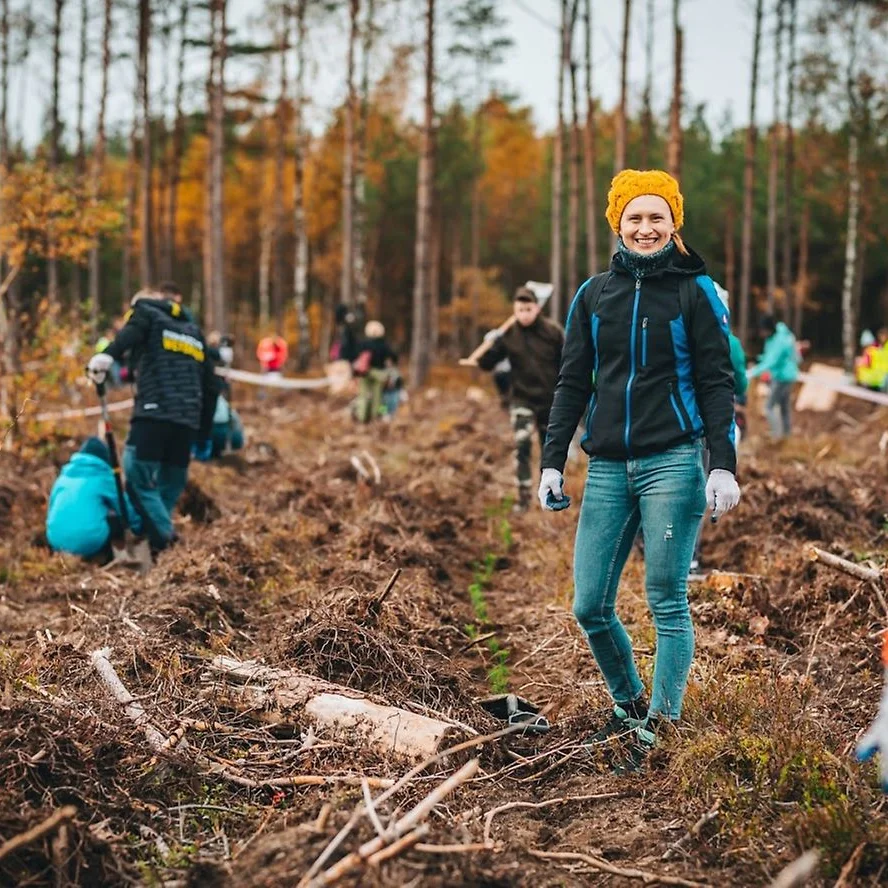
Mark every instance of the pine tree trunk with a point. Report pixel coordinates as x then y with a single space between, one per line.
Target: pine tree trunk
801 285
435 282
647 114
146 265
358 232
419 351
730 249
475 234
749 184
346 287
620 137
130 213
676 137
98 166
774 163
458 333
7 339
557 259
573 196
789 161
589 156
280 155
55 134
300 260
175 170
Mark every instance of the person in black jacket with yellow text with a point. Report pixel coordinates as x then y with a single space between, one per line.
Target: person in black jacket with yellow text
176 390
647 357
532 346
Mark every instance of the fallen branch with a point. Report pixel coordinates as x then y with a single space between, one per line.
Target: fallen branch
867 574
408 823
396 848
340 837
596 863
470 848
798 872
135 710
679 846
50 824
849 870
488 817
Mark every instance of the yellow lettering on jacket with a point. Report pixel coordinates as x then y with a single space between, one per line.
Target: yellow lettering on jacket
183 344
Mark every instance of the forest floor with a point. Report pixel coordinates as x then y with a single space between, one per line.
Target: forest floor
283 554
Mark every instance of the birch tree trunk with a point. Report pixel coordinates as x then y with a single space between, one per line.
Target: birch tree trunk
215 297
346 287
749 184
129 223
730 249
146 264
573 182
300 260
98 167
4 83
81 86
849 340
676 137
358 232
774 162
589 155
849 321
280 155
789 162
419 351
177 147
55 133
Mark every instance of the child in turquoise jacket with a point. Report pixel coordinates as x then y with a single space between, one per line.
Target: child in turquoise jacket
779 358
84 510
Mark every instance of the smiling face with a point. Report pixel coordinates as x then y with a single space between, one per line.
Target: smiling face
646 225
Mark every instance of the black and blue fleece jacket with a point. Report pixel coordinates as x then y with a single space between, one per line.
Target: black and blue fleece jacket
650 359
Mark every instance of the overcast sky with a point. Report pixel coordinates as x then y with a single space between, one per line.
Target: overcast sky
718 49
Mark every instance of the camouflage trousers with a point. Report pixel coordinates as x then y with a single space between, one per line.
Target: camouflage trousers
523 421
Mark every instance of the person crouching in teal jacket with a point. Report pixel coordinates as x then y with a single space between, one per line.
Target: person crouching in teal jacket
84 511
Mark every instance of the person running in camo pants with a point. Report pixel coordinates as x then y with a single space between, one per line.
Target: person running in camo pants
533 347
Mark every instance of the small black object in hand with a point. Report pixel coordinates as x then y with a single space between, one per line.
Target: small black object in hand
557 505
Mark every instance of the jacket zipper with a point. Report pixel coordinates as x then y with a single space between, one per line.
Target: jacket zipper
674 403
593 406
644 342
633 335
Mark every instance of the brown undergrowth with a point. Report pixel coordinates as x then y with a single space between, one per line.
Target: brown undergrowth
284 558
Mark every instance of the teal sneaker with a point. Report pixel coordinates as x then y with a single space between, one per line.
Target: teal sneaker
623 720
640 747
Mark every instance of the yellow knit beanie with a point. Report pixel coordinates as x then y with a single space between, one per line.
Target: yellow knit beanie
629 184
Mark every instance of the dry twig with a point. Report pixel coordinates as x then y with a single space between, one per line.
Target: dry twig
55 820
798 872
642 875
679 846
488 817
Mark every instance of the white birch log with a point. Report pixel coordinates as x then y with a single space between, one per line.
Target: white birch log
337 712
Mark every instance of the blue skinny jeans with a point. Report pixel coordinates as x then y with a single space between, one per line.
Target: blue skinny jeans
665 495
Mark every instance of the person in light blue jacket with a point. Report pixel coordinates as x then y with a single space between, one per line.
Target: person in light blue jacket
780 359
84 511
228 430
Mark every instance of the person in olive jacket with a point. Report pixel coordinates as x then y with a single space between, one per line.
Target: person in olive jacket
647 357
175 399
533 347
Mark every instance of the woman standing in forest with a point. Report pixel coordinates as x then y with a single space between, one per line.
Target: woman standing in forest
647 351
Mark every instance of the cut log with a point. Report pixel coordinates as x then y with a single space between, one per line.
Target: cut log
860 571
335 711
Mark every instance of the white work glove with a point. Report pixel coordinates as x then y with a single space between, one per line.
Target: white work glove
876 739
491 335
226 353
552 480
98 367
722 492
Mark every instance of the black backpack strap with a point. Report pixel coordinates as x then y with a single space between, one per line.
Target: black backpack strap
596 288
